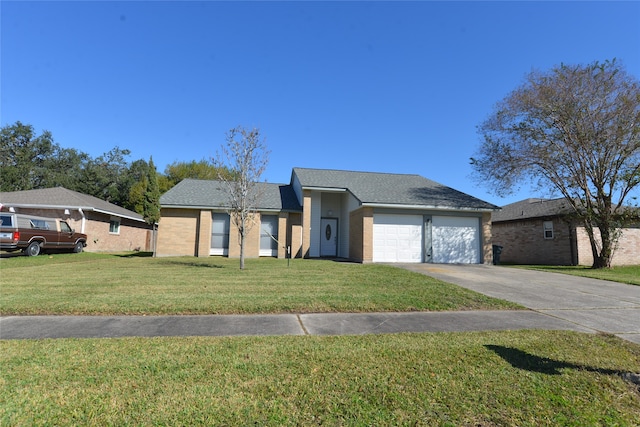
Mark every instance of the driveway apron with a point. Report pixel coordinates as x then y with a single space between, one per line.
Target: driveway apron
598 305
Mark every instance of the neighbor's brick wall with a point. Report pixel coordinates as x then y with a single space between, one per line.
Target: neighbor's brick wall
177 232
627 252
134 235
523 242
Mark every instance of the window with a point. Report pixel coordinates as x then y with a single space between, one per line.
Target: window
269 235
40 224
5 220
114 225
64 227
548 229
220 234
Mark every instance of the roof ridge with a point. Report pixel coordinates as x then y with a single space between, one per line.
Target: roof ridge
360 172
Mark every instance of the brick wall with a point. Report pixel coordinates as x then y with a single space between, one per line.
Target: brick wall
626 253
294 235
487 248
523 242
306 223
205 222
252 239
361 235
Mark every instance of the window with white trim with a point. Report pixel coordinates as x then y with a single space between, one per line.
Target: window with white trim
548 229
114 225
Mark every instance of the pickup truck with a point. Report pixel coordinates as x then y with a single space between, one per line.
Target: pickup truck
34 235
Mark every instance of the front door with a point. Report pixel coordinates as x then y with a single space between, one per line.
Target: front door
329 237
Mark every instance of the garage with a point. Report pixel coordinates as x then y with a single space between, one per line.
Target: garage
455 240
397 238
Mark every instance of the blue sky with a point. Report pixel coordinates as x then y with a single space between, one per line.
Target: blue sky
369 86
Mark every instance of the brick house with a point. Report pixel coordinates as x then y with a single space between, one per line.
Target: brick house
109 228
362 216
542 231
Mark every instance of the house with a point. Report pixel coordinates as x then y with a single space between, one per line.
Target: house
543 231
109 228
361 216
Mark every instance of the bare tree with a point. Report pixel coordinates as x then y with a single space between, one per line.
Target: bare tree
576 130
246 156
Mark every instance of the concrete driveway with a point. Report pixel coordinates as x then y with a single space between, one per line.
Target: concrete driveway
598 305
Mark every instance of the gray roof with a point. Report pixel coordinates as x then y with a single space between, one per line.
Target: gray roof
212 194
391 189
532 208
62 198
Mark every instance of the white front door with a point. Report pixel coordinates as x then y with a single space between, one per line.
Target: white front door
329 237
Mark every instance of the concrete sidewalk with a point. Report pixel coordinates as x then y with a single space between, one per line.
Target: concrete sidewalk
37 327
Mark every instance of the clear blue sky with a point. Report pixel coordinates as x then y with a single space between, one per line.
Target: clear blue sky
369 86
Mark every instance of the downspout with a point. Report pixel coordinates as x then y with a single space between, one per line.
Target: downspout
84 219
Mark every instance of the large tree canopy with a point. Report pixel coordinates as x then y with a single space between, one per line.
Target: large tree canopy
574 129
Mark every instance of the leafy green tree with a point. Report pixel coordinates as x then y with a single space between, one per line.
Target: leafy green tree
144 193
106 177
177 171
23 157
574 129
65 168
152 196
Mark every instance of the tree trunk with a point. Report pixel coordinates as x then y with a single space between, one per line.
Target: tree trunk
606 252
602 257
242 235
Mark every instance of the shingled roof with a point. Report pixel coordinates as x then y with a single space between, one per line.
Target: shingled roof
62 198
197 193
391 189
532 208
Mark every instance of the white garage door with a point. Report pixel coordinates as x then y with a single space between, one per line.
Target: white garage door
397 238
455 240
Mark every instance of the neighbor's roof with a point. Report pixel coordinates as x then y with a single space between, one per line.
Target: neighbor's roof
532 208
62 198
196 193
390 189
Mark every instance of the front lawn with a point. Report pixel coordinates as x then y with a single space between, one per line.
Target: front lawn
629 274
101 284
534 378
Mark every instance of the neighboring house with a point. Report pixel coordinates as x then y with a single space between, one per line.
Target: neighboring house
109 228
543 231
361 216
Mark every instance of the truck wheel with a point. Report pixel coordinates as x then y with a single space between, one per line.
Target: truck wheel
78 248
33 249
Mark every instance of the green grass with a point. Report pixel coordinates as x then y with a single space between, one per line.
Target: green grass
533 378
629 274
104 284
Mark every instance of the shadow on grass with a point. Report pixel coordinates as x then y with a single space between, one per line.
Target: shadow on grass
136 255
192 264
522 360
